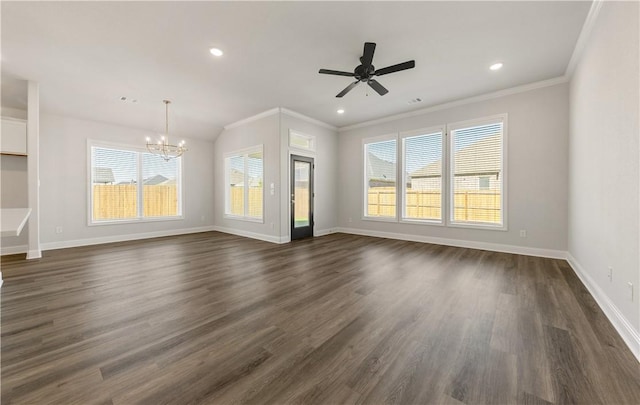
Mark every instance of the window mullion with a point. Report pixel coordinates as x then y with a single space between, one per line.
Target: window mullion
246 185
140 187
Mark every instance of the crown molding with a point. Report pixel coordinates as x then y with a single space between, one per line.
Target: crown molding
585 32
497 94
303 117
252 118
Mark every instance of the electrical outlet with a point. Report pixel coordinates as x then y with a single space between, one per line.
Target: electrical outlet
610 274
201 217
630 290
273 226
523 233
350 220
58 229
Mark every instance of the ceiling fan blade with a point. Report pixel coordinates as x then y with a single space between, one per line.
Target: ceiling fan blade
377 87
348 88
396 68
367 54
335 72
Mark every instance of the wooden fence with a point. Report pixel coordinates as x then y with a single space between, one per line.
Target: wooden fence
480 206
255 201
120 201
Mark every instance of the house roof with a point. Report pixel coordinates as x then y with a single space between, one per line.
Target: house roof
467 162
155 180
103 175
380 169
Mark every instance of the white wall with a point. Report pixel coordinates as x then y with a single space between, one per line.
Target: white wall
326 173
537 171
64 183
264 131
604 202
272 131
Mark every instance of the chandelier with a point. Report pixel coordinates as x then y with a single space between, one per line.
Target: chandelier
162 147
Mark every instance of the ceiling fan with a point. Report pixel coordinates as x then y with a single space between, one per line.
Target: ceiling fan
366 71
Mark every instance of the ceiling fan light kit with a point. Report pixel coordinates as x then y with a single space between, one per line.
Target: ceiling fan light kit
365 72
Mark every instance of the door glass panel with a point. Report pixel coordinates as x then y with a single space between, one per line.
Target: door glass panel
301 194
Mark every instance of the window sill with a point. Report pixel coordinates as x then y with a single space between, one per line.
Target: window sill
477 225
380 219
421 222
245 219
135 220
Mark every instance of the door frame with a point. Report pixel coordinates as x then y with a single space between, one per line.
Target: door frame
311 159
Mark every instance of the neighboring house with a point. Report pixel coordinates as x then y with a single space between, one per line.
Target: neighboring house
103 175
236 177
471 173
155 180
380 172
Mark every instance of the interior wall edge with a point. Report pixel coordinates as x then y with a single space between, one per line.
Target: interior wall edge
625 329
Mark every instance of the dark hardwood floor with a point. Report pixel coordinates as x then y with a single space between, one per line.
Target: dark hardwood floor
215 318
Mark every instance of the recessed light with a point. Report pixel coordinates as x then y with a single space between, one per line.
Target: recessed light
340 111
496 66
216 52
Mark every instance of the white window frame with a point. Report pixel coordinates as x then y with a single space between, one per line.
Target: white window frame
365 188
245 152
404 176
503 171
91 143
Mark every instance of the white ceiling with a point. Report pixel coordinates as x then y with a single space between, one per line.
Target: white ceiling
86 55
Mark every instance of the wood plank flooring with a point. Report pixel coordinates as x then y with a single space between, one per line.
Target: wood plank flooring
339 319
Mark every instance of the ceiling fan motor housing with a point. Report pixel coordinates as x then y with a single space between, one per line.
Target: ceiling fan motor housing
364 73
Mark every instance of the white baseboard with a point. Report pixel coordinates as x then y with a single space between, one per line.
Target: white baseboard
13 250
123 238
494 247
323 232
628 333
34 254
252 235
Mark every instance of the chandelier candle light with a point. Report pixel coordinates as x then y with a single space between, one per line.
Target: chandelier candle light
162 147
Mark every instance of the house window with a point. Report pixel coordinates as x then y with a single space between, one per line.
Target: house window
244 184
131 185
380 170
477 175
298 140
422 197
472 172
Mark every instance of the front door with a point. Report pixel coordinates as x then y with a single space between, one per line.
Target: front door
301 197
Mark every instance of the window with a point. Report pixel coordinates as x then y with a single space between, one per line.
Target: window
115 193
463 187
298 140
477 175
422 169
380 178
244 184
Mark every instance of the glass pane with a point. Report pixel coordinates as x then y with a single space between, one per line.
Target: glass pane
255 180
380 159
423 168
301 194
235 167
477 174
113 183
160 186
